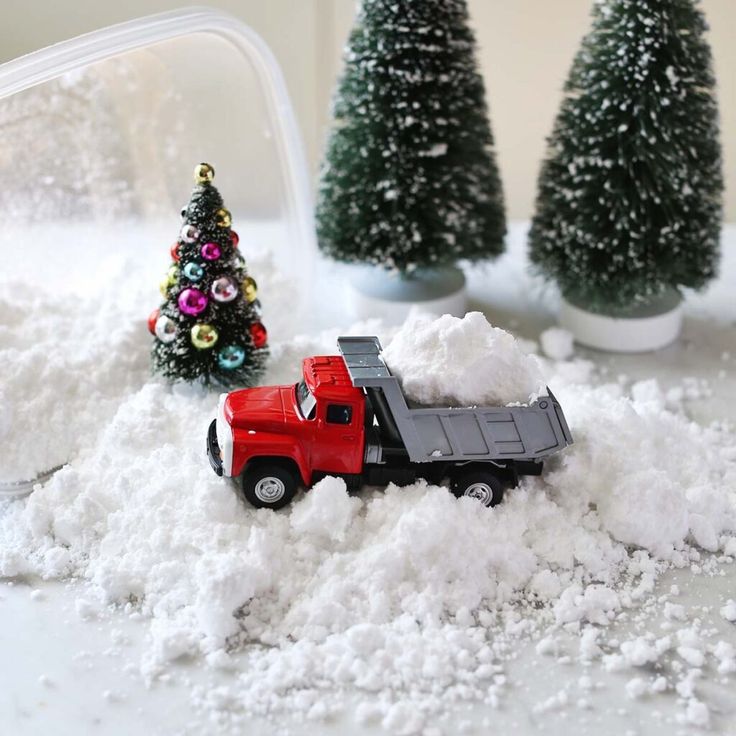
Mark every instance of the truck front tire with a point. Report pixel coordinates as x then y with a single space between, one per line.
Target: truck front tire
269 486
484 487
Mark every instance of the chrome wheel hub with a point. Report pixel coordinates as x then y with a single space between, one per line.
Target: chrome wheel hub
270 489
480 491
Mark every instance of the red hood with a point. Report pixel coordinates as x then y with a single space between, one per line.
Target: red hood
264 407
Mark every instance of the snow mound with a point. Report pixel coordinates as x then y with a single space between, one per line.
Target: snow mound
462 362
407 600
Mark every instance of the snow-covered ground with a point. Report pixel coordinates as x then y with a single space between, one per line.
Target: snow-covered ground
599 597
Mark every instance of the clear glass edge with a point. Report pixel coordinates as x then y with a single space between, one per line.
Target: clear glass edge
53 61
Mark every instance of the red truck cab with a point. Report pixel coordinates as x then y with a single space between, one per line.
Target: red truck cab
278 436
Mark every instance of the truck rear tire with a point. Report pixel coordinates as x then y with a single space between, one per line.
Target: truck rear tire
269 486
484 487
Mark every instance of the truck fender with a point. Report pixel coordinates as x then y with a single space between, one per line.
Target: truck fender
248 447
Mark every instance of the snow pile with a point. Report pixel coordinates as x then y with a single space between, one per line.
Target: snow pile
462 362
654 477
406 599
60 360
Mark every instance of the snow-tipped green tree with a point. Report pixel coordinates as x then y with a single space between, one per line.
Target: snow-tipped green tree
409 178
629 200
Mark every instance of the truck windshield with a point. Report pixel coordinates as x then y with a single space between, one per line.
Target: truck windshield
305 399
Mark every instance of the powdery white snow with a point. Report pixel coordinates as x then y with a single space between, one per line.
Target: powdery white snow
372 595
461 362
729 610
557 343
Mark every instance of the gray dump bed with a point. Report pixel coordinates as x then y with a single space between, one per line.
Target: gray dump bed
454 434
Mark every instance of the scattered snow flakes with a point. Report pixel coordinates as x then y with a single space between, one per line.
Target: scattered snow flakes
694 657
637 687
696 713
438 149
547 646
596 604
674 611
725 653
589 648
555 702
672 76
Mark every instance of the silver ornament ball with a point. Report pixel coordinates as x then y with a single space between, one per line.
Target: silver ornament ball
224 289
165 329
189 233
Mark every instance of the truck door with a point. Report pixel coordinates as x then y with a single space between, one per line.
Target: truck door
339 437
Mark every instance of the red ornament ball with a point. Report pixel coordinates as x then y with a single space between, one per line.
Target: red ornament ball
235 238
258 334
174 250
152 320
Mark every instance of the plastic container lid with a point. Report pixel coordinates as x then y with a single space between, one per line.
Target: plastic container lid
101 133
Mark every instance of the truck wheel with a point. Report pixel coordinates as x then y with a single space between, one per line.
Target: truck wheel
485 487
269 486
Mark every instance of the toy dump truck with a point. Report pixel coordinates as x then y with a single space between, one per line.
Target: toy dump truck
348 417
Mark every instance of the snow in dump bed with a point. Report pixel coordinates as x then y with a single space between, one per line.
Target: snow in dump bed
407 601
462 362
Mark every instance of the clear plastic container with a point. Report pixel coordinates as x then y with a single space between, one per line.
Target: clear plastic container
100 135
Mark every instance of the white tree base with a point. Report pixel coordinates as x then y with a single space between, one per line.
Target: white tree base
375 292
621 334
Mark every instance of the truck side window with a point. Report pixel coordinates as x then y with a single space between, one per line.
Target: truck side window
339 413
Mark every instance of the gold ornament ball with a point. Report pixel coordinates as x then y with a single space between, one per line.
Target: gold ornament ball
224 218
203 173
172 275
204 336
250 289
163 287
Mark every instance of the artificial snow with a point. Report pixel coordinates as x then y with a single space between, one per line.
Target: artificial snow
729 610
406 600
557 343
462 362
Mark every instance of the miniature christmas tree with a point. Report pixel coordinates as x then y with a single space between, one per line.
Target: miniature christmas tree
629 202
409 178
208 327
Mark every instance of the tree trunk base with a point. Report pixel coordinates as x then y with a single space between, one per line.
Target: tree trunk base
376 292
643 328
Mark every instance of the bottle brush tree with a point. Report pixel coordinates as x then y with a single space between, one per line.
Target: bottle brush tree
208 327
629 199
409 178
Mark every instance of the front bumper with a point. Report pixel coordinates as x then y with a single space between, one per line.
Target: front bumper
213 448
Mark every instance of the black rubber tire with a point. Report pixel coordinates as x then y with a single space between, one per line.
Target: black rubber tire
266 480
483 486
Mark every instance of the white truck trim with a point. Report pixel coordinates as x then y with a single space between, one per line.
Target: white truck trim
224 438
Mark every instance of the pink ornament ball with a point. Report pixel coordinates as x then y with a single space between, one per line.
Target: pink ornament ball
211 251
192 302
